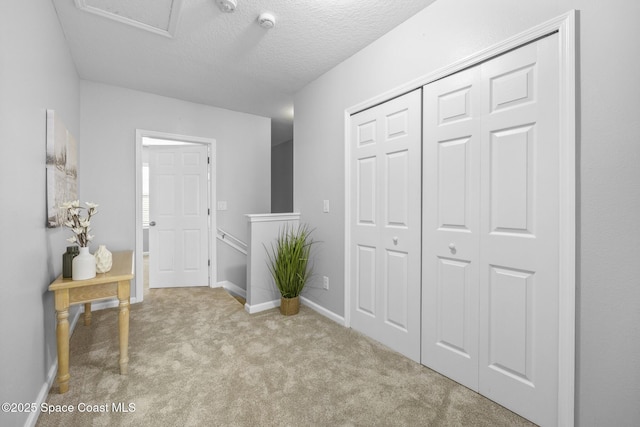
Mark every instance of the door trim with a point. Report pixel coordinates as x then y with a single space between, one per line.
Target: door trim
565 26
141 133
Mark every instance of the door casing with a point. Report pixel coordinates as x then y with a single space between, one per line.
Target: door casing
565 26
140 134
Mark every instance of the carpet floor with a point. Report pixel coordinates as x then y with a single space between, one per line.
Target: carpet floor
197 358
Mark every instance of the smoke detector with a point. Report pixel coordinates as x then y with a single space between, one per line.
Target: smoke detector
227 6
267 20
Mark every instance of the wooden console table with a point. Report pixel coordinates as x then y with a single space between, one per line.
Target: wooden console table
115 283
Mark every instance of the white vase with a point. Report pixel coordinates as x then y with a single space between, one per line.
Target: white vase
104 259
84 265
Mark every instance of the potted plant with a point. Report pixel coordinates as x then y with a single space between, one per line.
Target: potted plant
289 265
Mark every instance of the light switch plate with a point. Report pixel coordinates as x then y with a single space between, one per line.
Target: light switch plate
325 206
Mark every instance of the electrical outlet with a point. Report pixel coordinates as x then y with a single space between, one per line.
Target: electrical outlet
325 282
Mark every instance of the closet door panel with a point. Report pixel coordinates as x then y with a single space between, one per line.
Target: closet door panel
490 229
519 257
451 144
385 230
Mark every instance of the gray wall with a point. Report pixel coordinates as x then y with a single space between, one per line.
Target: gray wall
145 240
608 291
110 117
282 177
36 73
235 264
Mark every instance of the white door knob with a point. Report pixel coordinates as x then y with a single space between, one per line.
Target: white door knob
395 240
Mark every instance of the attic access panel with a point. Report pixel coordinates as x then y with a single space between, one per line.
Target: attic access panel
156 16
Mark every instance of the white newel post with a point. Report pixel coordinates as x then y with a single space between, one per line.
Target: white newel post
262 293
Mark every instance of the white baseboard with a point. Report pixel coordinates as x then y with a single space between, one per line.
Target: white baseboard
321 310
108 303
256 308
101 305
53 369
51 377
232 288
42 395
251 309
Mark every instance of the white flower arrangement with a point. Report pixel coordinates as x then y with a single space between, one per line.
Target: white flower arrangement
79 225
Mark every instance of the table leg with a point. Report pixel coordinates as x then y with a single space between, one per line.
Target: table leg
87 314
62 335
123 325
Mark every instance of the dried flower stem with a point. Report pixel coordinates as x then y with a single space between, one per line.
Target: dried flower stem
79 225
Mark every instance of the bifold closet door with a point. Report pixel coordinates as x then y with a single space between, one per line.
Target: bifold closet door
519 257
451 222
385 223
491 225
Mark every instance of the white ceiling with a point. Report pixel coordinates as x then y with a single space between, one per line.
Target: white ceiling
189 49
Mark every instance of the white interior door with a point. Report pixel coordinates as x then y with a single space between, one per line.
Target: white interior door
385 236
519 258
491 260
451 188
178 213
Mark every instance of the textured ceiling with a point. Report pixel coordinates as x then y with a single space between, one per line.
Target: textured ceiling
224 59
157 16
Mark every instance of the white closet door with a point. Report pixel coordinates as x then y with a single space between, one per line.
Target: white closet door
491 226
385 236
451 193
519 270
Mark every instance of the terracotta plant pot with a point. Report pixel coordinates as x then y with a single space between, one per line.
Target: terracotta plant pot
289 306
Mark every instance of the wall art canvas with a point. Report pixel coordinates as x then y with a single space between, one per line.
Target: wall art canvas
62 168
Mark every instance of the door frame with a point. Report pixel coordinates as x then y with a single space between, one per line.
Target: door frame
139 267
565 26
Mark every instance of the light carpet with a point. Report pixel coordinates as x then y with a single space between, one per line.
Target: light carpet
197 358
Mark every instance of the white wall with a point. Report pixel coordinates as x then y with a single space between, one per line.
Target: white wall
110 117
608 293
36 73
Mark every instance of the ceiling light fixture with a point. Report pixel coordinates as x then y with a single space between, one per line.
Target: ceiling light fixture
267 20
227 6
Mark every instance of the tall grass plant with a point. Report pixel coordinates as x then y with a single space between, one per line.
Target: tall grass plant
289 260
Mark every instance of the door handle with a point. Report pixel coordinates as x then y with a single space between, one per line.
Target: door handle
152 224
395 240
452 248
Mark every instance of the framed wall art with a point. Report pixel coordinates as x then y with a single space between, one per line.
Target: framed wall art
62 168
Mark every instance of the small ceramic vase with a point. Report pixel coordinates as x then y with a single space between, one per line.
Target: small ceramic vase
84 265
67 261
104 259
